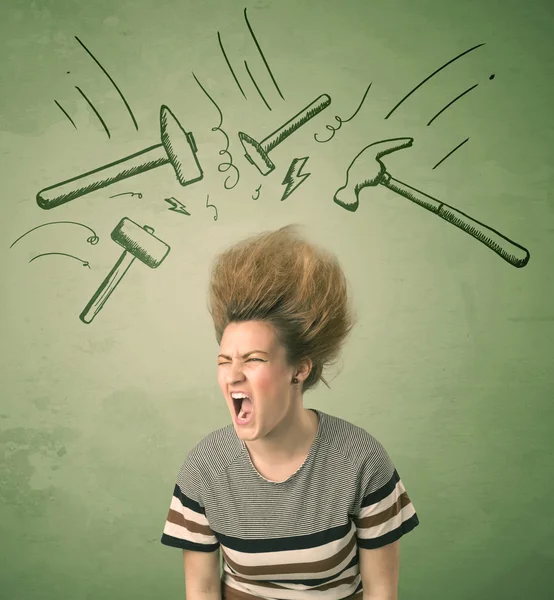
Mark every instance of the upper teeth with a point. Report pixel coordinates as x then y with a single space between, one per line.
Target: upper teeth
238 395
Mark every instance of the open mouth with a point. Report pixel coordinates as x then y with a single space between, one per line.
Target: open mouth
243 408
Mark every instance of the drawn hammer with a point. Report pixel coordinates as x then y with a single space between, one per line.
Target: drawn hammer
178 148
257 153
367 169
138 242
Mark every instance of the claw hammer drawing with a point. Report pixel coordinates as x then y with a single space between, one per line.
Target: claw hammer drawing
178 148
368 170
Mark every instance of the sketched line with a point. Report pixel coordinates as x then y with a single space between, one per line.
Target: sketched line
93 239
452 102
229 65
132 194
256 85
213 206
341 121
262 54
84 262
94 109
223 167
113 82
432 75
450 153
65 113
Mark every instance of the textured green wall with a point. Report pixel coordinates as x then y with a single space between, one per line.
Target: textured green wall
450 366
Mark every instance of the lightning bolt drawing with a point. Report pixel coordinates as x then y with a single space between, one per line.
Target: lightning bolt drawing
176 206
294 177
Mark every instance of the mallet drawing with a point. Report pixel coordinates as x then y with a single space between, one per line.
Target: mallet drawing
177 147
257 153
138 242
367 170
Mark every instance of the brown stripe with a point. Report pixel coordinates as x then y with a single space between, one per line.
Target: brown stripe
326 564
385 515
229 593
268 585
177 518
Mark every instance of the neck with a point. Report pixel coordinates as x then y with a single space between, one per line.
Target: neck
292 438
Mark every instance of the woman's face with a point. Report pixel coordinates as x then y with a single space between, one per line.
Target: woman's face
252 361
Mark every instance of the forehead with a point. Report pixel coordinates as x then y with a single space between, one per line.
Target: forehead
249 335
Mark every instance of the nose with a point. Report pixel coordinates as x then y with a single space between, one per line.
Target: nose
234 373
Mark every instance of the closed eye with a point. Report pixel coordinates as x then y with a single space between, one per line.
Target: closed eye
248 360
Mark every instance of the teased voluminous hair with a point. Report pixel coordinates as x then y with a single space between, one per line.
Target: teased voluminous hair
300 289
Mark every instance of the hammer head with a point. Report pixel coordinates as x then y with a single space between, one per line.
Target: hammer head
180 147
367 169
140 242
255 154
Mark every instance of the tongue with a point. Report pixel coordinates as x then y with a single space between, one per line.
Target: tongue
246 408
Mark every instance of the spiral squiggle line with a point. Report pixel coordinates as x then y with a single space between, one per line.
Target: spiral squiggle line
341 121
224 166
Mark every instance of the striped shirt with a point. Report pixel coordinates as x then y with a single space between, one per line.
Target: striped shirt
297 539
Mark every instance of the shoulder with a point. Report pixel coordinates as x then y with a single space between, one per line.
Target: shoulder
213 454
358 446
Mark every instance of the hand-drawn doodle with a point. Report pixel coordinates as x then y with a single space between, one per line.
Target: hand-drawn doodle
94 110
257 152
213 206
137 242
65 113
178 148
84 262
224 166
366 169
128 194
111 80
450 153
294 177
92 240
341 121
257 192
432 75
262 54
176 206
229 65
452 102
256 85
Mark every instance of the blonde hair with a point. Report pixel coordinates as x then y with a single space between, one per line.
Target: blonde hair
300 289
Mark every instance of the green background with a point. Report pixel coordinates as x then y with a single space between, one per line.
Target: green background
450 366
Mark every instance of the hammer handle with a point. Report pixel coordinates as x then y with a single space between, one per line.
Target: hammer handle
67 190
516 255
107 287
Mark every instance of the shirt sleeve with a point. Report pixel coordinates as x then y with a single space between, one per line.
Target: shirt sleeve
186 525
386 512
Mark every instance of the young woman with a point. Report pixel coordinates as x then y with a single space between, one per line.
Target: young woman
303 504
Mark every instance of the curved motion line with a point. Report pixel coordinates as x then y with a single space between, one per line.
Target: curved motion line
450 153
93 239
432 75
229 65
261 54
85 263
452 102
341 121
95 111
223 167
256 85
113 82
65 113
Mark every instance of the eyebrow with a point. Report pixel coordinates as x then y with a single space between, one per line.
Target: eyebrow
244 355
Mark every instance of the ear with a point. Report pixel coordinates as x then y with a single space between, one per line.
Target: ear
304 369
